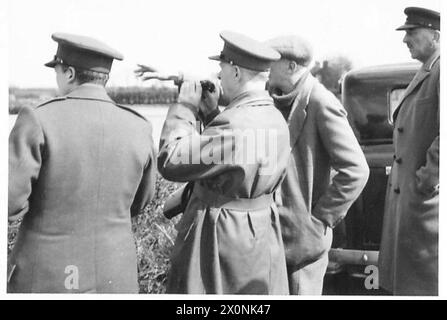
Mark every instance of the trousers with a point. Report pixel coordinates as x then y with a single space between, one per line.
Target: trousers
308 280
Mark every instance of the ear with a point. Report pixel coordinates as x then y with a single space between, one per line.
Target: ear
437 36
71 74
237 72
292 66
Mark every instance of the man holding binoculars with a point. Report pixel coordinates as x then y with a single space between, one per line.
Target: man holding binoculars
229 240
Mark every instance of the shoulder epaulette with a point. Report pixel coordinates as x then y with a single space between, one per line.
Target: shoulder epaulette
51 100
131 110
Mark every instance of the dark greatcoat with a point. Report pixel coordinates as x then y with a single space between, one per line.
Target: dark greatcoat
79 167
408 260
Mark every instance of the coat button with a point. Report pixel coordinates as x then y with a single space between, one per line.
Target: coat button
400 129
398 160
397 190
394 157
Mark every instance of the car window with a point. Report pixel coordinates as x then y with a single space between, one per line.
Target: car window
367 106
393 101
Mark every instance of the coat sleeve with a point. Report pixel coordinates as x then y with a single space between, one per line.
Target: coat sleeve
146 188
346 158
427 176
210 117
26 145
186 155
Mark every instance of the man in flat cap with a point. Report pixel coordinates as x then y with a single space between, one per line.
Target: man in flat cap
79 167
408 260
229 239
326 172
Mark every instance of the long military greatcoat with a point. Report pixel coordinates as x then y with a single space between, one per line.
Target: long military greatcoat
408 260
229 239
79 166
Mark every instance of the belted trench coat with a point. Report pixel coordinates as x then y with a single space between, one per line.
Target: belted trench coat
229 239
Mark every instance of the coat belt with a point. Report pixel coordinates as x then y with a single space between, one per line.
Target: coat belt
216 200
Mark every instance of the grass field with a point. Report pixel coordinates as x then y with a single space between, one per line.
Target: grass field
154 238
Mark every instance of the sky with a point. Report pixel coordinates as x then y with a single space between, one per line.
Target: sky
175 35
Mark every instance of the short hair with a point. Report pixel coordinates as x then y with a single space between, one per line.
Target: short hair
88 76
255 75
293 48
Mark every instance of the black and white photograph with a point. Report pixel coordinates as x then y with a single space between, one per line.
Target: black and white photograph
221 149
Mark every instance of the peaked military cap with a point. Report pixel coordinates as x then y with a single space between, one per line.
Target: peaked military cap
83 52
246 52
421 18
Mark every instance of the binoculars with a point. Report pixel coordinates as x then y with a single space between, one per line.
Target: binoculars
207 85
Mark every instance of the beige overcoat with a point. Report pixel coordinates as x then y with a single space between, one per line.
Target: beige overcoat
326 173
229 239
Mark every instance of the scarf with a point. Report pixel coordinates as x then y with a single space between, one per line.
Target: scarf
284 102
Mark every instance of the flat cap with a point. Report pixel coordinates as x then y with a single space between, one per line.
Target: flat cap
294 48
421 18
245 52
83 52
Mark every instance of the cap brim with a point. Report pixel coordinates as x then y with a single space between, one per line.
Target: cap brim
51 64
408 26
216 58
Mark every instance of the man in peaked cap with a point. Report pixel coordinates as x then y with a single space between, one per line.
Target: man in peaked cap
79 167
229 240
408 259
326 172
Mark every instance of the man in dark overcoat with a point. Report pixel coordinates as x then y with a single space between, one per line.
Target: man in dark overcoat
79 167
408 259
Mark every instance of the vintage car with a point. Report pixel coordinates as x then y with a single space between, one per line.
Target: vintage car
370 95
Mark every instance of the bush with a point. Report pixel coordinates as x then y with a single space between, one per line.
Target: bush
143 95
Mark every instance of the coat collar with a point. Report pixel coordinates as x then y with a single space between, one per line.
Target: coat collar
90 91
420 76
254 97
298 112
431 61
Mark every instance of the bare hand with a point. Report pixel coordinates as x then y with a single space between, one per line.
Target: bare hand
190 93
210 100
